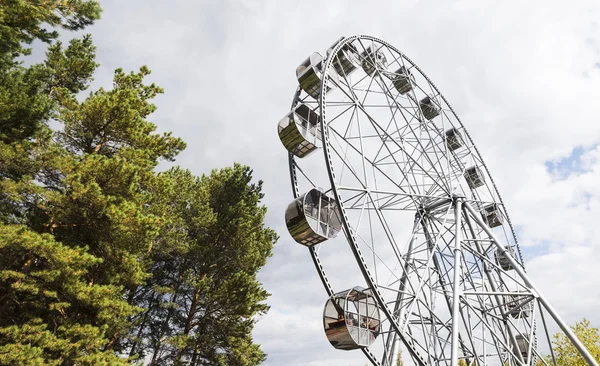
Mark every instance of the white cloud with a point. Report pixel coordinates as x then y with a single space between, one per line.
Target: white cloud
521 75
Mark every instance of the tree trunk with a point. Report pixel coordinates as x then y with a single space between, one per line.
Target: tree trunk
195 355
188 323
167 319
142 325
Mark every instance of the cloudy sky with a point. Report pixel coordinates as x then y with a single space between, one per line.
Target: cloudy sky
524 76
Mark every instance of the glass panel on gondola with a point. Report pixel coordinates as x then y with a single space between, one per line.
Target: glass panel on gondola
373 59
402 79
313 218
502 260
429 107
492 215
299 131
351 319
346 60
453 139
474 177
519 306
309 75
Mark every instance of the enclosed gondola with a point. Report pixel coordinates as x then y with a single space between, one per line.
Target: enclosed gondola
523 346
299 130
430 107
310 74
474 177
492 215
402 79
502 260
351 319
501 257
519 306
373 59
313 218
346 60
454 139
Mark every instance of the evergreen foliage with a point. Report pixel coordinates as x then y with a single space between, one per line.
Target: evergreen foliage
102 259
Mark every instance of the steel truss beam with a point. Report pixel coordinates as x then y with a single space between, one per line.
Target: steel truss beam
541 299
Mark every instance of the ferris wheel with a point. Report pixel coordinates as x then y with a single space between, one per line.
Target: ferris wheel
402 219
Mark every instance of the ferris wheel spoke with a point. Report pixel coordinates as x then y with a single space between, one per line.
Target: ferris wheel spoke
348 84
385 200
427 339
303 174
363 109
510 324
391 100
398 132
345 161
350 203
398 108
397 57
386 228
362 149
335 132
377 129
494 331
350 106
376 256
408 157
416 167
374 250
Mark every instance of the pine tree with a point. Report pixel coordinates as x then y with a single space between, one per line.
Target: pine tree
23 21
101 257
49 313
72 220
204 312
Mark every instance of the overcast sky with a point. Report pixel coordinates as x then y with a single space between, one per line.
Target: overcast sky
524 76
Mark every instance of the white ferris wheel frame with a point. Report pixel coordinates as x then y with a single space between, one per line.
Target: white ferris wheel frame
468 233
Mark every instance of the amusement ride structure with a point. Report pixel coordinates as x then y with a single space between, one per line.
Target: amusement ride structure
392 196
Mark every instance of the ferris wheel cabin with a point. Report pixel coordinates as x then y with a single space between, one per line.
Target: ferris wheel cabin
347 59
523 346
313 218
474 177
430 107
454 139
402 79
502 260
519 306
373 60
309 75
492 215
351 319
299 131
